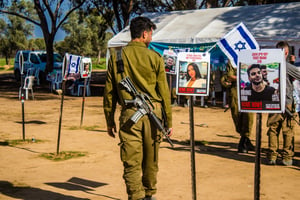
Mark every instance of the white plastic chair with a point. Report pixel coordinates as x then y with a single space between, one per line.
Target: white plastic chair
80 87
37 76
28 85
30 71
56 81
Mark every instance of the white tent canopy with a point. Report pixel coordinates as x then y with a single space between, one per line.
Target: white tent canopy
268 24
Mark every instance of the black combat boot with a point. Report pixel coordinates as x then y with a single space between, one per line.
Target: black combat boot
245 145
242 148
249 145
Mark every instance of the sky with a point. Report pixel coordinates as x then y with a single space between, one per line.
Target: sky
60 35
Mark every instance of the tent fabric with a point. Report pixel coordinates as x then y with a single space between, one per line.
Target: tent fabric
267 23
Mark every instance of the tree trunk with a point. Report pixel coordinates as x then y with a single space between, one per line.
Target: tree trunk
99 57
6 59
50 58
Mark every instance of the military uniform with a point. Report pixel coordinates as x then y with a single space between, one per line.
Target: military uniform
139 142
243 121
278 121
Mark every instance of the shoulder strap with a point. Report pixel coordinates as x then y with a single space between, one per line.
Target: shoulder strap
120 64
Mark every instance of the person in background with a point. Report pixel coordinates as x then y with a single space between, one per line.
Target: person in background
264 72
296 84
283 121
243 121
139 142
292 59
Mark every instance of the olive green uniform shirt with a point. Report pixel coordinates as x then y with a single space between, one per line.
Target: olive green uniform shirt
146 70
243 121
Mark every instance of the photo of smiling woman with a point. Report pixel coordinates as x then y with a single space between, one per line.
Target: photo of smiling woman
194 78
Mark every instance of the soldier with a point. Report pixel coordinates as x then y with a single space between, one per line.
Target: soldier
140 141
243 121
283 121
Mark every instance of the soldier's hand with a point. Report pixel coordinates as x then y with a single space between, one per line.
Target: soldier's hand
170 132
111 131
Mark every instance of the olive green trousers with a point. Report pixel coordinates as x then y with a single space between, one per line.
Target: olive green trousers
139 153
243 121
277 122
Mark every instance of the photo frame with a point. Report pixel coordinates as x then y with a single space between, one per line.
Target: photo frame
193 73
86 67
261 81
170 58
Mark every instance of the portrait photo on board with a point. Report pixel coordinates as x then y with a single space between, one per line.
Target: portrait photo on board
170 58
86 67
193 73
261 80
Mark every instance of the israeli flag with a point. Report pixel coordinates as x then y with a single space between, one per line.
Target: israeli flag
236 40
74 64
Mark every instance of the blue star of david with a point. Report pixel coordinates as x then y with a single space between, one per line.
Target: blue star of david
240 45
73 64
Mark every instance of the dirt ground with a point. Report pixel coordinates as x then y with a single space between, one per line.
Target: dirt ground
221 173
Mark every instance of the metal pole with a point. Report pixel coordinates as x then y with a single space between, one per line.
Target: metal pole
192 144
21 67
257 157
83 100
60 117
23 108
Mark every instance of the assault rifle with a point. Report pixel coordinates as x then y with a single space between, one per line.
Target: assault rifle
145 107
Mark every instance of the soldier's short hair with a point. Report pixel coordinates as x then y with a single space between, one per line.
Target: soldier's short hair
282 44
140 24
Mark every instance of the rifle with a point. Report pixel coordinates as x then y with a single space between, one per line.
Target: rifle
144 105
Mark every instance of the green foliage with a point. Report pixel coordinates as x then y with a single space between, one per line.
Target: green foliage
100 65
3 62
21 142
64 155
90 128
86 35
37 44
13 35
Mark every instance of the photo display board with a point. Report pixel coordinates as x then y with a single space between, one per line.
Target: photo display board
261 81
170 58
193 73
86 67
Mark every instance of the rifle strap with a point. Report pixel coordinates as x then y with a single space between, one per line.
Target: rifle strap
120 64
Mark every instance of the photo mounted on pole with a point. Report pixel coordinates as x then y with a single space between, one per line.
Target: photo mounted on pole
261 81
193 74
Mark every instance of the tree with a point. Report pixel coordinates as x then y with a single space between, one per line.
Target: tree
79 35
118 11
86 34
36 43
47 14
13 34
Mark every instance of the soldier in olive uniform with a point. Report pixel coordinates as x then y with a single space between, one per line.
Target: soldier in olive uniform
140 141
243 121
282 121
